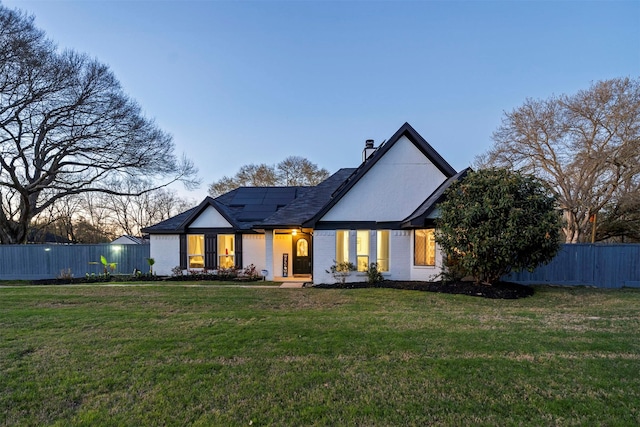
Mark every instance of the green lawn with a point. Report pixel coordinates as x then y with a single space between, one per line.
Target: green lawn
211 355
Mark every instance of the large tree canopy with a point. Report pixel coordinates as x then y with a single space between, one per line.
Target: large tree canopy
292 171
495 221
585 146
67 127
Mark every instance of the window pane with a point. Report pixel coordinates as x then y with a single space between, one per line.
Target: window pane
195 250
226 261
196 261
383 250
362 249
226 251
302 248
425 247
342 246
420 248
431 247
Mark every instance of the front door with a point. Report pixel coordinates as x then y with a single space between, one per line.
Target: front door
301 253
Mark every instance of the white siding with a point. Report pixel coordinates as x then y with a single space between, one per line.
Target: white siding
210 218
400 257
268 244
282 243
165 249
254 251
324 254
396 185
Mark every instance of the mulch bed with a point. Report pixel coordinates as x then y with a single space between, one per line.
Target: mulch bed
500 290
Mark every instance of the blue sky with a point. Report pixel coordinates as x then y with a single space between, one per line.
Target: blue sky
238 82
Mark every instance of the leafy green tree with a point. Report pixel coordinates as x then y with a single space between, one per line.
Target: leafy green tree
495 221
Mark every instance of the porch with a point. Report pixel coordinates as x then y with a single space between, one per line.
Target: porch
289 255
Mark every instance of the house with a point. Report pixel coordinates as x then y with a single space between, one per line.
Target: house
126 239
42 236
382 211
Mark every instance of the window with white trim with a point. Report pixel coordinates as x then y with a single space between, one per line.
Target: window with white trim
342 246
382 250
226 251
195 250
424 252
362 249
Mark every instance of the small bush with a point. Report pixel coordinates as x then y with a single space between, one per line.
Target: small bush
373 274
341 270
452 270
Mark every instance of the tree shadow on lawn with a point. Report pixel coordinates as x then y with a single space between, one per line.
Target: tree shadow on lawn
499 290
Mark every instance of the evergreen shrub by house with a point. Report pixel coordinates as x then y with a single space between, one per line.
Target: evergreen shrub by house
495 220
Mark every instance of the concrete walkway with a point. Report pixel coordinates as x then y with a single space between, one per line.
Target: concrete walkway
292 285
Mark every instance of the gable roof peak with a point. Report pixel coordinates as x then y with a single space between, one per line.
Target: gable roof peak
414 137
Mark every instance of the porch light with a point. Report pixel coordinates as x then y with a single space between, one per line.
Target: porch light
294 232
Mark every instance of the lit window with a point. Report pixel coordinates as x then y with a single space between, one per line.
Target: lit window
425 247
383 250
226 251
195 250
362 249
302 248
342 246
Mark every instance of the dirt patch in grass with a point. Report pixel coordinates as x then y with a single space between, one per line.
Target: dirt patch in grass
500 290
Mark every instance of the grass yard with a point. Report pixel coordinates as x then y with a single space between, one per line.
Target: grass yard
211 355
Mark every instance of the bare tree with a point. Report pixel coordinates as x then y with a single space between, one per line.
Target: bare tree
76 218
295 170
89 218
67 128
585 146
619 220
292 171
130 214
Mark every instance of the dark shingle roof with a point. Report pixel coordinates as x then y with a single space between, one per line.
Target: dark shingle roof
311 201
247 208
171 224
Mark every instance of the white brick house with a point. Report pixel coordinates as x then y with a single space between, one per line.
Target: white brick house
383 211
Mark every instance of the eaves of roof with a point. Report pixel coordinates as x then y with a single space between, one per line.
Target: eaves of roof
422 213
180 222
171 225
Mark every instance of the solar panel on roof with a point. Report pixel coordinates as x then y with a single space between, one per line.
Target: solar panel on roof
245 196
248 201
253 215
258 208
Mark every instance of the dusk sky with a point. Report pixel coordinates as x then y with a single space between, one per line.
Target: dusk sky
238 82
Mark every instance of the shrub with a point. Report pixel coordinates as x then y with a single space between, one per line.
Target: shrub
341 270
495 221
373 274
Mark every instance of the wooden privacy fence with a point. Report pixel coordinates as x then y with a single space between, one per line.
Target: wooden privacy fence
600 265
33 262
